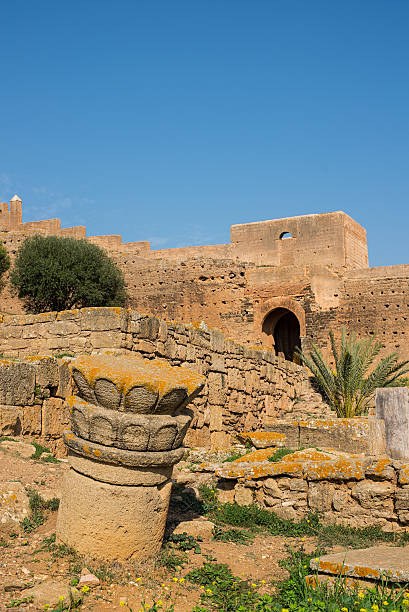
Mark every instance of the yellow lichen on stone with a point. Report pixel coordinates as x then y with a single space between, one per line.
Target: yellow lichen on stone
261 454
131 371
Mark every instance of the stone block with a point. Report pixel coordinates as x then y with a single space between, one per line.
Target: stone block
31 420
243 496
216 418
373 494
320 496
17 383
101 319
220 440
149 328
402 499
10 420
217 393
392 405
289 428
55 417
358 435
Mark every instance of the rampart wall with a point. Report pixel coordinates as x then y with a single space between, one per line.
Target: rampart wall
320 273
245 388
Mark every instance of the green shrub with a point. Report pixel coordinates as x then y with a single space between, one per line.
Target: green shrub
54 273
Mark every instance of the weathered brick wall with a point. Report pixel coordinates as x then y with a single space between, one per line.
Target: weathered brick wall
246 387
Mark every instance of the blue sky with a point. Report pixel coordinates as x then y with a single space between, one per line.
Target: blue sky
169 121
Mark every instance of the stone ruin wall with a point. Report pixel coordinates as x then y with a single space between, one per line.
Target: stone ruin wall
245 387
321 275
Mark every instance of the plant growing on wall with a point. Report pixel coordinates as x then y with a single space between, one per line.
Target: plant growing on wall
53 273
4 263
350 387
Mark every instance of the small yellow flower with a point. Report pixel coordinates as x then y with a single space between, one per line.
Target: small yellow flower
182 581
253 585
209 591
175 579
363 610
385 603
138 579
309 599
263 582
375 608
85 588
344 609
61 598
285 610
361 595
160 602
122 603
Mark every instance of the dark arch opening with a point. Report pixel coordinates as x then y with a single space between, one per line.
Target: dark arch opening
285 235
284 327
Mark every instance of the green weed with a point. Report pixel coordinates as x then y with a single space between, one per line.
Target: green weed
236 536
39 450
37 507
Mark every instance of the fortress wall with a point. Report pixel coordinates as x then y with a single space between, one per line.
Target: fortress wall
216 251
246 387
203 289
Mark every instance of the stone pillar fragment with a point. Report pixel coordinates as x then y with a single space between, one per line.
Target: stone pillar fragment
392 405
128 421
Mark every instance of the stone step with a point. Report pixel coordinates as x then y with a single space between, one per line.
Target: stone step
376 563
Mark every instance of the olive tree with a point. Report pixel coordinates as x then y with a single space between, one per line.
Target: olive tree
53 273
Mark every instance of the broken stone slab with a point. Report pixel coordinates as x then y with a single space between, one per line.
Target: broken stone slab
264 439
126 430
342 468
133 384
376 563
117 456
355 435
392 405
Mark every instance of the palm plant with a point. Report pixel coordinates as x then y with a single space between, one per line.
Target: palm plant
350 387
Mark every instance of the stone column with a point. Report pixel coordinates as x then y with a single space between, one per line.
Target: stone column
392 405
128 421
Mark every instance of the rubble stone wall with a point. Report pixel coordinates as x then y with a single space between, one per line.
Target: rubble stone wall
245 387
355 491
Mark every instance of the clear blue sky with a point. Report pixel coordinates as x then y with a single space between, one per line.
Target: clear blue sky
169 121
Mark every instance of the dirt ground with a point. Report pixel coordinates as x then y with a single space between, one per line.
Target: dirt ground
28 559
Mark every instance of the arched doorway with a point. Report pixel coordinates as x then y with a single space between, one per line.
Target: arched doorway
284 327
